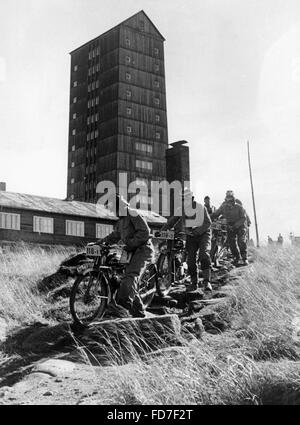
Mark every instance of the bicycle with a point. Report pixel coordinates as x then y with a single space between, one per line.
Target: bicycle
94 289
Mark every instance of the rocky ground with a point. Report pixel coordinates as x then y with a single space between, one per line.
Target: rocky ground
62 365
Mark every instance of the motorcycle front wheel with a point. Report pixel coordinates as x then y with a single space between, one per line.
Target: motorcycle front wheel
165 274
148 284
89 298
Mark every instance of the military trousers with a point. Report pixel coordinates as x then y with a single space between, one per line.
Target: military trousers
237 240
128 294
198 247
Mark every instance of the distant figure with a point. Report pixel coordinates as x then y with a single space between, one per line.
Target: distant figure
280 239
270 240
209 207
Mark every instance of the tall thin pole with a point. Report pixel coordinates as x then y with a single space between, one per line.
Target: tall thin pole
253 200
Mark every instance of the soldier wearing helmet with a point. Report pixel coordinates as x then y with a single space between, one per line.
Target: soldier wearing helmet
133 230
198 240
236 218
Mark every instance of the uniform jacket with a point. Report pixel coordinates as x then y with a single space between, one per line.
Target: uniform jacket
133 230
235 214
179 225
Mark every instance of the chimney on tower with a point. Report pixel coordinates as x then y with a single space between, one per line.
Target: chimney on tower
2 187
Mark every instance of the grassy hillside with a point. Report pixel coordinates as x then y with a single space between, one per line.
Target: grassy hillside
256 361
20 301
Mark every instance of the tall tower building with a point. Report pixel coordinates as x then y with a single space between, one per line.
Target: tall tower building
118 120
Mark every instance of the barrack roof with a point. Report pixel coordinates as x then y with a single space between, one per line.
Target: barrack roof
59 206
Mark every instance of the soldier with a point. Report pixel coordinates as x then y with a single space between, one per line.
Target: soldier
236 218
208 206
248 221
133 230
198 240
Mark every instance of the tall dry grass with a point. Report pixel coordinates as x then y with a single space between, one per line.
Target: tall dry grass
20 302
268 309
255 362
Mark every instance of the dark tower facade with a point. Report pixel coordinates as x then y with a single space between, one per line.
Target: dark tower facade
178 162
118 119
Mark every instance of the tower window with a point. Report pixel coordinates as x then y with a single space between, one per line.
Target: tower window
156 67
74 99
74 116
75 84
73 148
73 132
156 101
143 147
146 165
72 181
156 51
129 129
129 111
127 59
156 84
128 76
157 135
128 93
73 164
157 118
75 68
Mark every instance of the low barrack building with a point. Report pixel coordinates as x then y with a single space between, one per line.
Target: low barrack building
49 221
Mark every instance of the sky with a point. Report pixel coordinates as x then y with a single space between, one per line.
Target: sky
232 75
